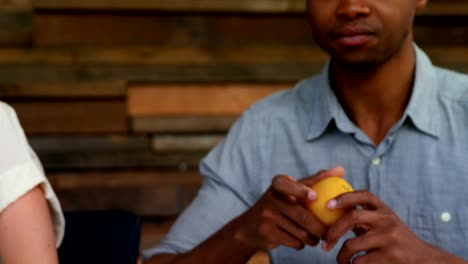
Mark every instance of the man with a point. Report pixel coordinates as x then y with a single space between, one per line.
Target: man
395 124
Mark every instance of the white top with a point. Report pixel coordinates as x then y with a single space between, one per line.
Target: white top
21 170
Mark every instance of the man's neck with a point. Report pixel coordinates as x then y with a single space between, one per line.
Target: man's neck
376 98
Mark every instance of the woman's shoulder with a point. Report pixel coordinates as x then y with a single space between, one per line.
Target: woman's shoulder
8 115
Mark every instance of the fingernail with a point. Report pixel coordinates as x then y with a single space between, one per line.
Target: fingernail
311 195
332 204
324 246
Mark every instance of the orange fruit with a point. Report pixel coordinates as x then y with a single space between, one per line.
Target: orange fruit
326 190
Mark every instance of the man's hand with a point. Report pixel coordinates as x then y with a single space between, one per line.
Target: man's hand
380 233
279 217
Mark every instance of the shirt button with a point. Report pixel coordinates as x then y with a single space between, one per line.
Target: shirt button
376 161
445 217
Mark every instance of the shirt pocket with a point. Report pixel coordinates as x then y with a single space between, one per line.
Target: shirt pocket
446 228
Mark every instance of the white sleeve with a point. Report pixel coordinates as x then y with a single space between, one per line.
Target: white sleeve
21 170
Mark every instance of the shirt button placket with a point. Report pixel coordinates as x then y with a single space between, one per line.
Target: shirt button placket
374 168
376 161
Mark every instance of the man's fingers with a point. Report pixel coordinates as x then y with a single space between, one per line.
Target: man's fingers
297 231
348 222
281 237
365 243
333 172
354 199
292 189
303 218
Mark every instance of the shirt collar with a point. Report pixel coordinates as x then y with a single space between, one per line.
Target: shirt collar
323 105
423 108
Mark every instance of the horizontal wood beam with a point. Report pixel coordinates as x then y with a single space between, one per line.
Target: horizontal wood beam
182 124
196 99
145 193
269 6
113 152
75 117
122 179
434 8
74 144
16 5
233 30
185 143
242 64
98 89
15 27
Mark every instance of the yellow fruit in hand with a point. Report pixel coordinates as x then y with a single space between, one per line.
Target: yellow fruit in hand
326 190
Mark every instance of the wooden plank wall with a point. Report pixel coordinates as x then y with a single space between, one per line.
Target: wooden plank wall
122 98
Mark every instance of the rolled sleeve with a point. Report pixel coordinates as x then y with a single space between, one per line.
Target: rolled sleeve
225 194
21 179
21 170
211 209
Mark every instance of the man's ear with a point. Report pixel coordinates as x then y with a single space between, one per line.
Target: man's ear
420 4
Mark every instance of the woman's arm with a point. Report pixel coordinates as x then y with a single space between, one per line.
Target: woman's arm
26 231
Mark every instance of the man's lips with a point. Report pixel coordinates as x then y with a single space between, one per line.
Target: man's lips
353 35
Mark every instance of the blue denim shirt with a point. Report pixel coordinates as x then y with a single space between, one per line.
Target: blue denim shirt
420 169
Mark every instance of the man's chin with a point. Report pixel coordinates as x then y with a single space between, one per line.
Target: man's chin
356 62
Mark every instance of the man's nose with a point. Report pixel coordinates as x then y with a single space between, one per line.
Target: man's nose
352 9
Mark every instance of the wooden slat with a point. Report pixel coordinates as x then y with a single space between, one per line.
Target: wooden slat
435 7
110 152
185 143
182 124
62 29
203 99
242 64
145 193
121 179
16 5
160 64
72 117
164 56
171 30
119 160
445 8
15 28
155 201
75 144
103 89
180 5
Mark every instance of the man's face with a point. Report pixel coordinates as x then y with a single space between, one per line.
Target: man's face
362 32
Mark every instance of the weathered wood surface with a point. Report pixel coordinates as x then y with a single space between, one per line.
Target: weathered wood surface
75 153
182 124
74 144
168 30
16 5
122 179
41 91
243 64
192 99
160 64
106 29
185 143
434 8
120 160
183 5
145 193
117 152
15 28
39 117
